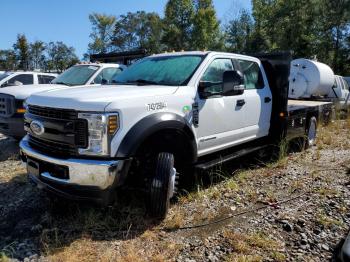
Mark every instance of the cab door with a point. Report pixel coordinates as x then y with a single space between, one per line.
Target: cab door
258 100
220 119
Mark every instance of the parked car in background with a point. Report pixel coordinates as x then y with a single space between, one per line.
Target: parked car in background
11 99
340 92
25 78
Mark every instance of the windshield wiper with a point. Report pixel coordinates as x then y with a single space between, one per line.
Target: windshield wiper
143 81
62 83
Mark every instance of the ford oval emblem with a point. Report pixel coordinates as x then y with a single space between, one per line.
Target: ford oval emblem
37 128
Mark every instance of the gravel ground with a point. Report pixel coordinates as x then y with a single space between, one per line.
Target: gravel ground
295 209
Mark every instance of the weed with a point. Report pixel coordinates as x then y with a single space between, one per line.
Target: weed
243 258
278 256
3 257
327 221
176 219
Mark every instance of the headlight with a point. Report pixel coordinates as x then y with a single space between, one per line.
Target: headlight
101 128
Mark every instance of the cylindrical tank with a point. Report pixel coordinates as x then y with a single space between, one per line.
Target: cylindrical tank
309 78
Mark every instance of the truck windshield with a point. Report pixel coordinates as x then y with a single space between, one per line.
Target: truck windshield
3 76
161 70
76 75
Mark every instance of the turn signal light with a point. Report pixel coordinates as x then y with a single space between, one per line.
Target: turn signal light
113 124
21 111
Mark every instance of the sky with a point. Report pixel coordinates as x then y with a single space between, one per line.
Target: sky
67 20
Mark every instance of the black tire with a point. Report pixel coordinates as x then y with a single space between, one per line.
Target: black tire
160 187
311 133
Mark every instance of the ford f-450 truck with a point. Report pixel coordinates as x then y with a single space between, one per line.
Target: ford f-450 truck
162 117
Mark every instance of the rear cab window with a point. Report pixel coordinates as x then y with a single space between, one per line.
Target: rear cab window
45 79
253 78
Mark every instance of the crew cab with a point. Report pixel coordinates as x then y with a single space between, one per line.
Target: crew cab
25 78
164 116
11 99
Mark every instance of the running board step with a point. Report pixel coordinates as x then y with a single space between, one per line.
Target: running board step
207 165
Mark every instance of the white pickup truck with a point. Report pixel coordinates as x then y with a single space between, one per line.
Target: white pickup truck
12 98
20 78
163 116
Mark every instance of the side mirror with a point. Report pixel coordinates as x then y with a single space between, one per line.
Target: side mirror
205 91
233 83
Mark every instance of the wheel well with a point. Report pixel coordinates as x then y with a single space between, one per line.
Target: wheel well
172 141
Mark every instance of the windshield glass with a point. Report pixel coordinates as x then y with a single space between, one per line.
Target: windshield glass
76 75
161 70
2 76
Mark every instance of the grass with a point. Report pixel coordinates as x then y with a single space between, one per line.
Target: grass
3 257
327 221
326 192
245 245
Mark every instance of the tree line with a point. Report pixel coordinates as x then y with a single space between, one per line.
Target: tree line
315 29
52 56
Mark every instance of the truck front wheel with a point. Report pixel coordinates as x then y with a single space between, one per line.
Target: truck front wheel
162 186
311 132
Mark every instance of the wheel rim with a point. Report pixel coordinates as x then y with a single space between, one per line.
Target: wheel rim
172 180
312 133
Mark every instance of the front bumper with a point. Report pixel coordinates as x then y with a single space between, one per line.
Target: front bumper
86 179
12 127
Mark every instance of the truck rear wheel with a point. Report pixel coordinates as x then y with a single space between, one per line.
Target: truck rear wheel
311 133
162 187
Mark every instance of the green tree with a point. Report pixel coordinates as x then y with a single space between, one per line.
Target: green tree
239 33
206 32
8 60
335 34
21 48
178 24
37 55
310 28
102 33
60 56
138 30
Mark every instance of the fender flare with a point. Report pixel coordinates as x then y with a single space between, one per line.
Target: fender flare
149 126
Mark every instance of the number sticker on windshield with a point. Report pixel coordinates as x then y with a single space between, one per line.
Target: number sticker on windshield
156 106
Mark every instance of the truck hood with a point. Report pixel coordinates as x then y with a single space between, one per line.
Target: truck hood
92 98
23 92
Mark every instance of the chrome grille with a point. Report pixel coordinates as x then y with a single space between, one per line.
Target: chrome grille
64 132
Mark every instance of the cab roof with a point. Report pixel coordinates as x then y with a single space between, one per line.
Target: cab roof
201 53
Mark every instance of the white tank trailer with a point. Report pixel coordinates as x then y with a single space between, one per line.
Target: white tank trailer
309 79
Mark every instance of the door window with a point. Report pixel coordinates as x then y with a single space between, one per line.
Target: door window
108 74
25 79
252 75
213 76
45 79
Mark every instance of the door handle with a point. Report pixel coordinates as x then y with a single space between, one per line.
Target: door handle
240 102
267 99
